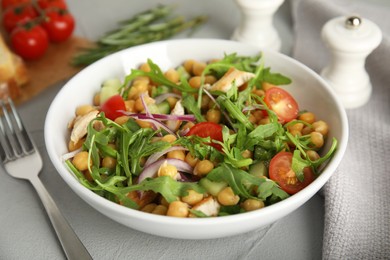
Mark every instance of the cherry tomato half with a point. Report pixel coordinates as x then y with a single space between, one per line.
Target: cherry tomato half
282 103
9 3
281 172
112 106
30 41
208 129
59 25
18 14
45 4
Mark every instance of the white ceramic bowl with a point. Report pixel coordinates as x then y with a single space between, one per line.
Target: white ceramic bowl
310 90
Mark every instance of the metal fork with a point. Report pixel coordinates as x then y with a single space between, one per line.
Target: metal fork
22 160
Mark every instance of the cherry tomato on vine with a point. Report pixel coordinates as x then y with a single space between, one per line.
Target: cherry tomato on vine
29 40
9 3
280 171
15 15
59 4
282 103
59 25
112 106
208 129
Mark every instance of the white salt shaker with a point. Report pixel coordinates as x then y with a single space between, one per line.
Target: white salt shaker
350 40
256 24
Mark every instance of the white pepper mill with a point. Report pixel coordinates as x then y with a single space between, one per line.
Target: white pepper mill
350 40
256 24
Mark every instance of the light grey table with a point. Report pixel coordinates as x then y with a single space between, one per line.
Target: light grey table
25 231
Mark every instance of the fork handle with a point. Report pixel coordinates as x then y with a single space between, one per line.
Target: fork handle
71 244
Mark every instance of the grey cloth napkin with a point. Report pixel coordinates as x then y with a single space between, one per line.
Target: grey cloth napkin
357 197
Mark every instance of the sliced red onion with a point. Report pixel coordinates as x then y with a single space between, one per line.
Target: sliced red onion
157 124
154 157
162 117
144 105
151 170
163 97
70 155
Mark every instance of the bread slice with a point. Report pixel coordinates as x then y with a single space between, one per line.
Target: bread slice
13 72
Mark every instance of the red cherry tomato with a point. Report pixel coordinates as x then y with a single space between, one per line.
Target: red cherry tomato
18 14
59 25
9 3
30 41
112 107
59 4
282 103
208 129
281 172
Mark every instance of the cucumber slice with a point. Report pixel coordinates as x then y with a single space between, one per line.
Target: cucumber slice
164 107
109 88
212 187
258 169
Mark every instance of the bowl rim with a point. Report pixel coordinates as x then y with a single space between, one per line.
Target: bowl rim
298 198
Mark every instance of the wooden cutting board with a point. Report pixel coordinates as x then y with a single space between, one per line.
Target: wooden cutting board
52 68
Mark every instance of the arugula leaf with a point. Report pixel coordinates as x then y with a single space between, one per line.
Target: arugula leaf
275 78
190 104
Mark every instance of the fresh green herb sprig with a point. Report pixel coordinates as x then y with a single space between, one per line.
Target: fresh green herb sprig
152 25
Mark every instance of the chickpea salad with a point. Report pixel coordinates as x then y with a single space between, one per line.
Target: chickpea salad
203 139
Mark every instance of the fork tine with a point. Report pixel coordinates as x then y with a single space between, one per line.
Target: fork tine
14 138
23 136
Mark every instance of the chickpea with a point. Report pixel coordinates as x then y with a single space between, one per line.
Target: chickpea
264 121
164 202
96 99
160 210
109 162
258 92
227 197
172 75
149 207
176 154
192 198
308 117
198 67
195 82
188 65
80 161
172 102
167 170
130 105
143 124
258 114
266 86
247 154
295 132
209 79
145 67
213 115
169 138
84 109
313 155
295 126
252 204
191 160
178 209
321 127
307 130
317 139
139 106
188 125
72 146
206 102
203 167
252 119
121 120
